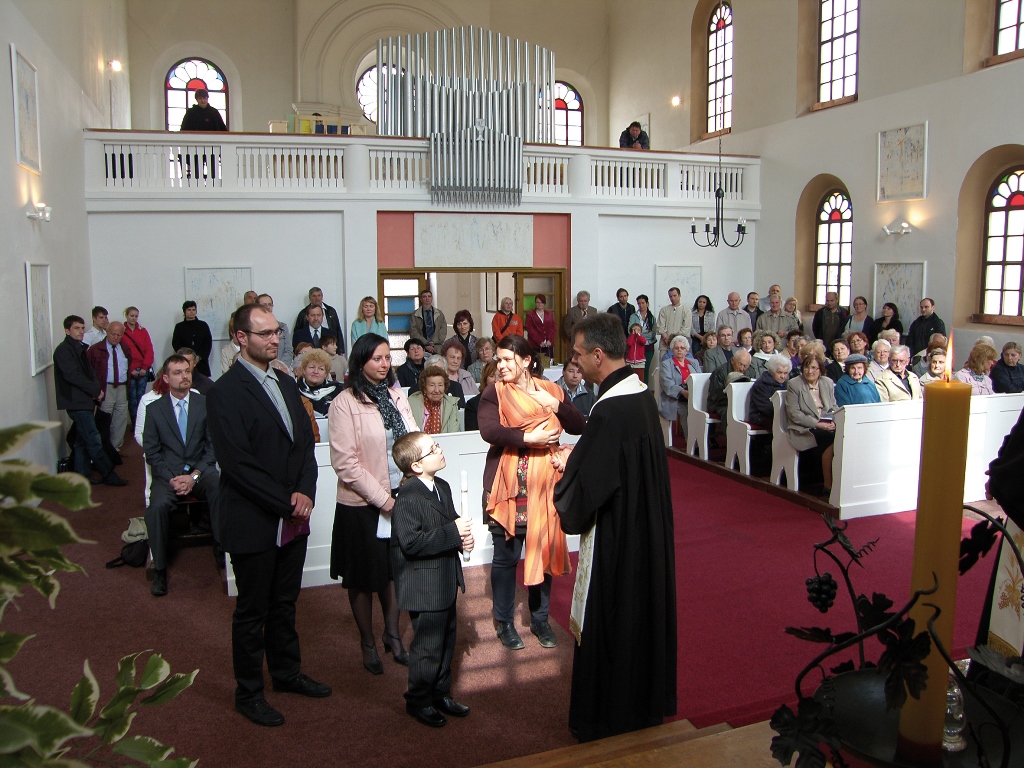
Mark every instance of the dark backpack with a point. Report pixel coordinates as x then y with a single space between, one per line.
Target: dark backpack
133 553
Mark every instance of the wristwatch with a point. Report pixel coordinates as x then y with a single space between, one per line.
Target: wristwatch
195 476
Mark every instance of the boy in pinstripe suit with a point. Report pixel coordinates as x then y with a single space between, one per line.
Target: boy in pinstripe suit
426 538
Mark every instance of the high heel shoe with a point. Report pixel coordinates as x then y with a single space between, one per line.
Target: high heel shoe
402 655
373 666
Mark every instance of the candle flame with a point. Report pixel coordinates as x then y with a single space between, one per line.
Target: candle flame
949 359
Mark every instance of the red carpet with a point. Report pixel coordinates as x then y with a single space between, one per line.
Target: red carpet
741 560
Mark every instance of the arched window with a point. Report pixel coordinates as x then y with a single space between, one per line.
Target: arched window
186 77
1001 284
833 262
1009 26
837 49
568 115
366 92
720 69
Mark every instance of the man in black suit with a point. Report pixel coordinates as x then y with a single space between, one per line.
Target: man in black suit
78 391
313 331
331 322
264 442
426 537
179 451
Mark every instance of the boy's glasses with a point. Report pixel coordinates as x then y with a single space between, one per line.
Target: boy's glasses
434 448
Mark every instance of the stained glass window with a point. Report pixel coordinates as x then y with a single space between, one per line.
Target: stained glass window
837 49
1009 26
568 116
366 92
720 69
1004 246
184 79
833 262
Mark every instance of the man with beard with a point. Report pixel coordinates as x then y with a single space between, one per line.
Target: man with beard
615 492
264 443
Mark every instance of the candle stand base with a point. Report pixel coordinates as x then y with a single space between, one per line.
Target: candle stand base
857 702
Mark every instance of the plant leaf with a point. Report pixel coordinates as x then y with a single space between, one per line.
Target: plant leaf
117 728
120 702
803 733
55 560
126 669
156 672
812 634
7 687
16 477
901 662
45 729
85 696
983 536
145 749
13 438
30 528
68 489
10 644
171 687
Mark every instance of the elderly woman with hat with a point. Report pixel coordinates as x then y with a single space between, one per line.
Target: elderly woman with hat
854 388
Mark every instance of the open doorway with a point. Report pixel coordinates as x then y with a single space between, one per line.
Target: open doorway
479 291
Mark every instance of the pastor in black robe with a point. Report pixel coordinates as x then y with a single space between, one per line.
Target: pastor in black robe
624 668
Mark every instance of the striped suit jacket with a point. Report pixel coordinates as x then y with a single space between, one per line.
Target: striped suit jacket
425 546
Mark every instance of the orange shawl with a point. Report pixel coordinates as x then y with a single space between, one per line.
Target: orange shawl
546 548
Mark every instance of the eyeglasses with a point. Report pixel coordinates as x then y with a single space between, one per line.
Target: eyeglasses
267 335
434 448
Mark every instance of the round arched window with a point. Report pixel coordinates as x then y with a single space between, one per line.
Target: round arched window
183 80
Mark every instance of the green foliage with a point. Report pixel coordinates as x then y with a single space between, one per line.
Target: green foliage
30 556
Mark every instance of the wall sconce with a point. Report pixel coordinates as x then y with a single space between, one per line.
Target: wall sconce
40 212
114 65
676 101
897 228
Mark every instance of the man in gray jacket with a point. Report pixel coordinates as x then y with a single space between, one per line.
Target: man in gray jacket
428 325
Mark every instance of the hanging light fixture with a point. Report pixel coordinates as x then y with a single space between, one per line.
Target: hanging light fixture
715 234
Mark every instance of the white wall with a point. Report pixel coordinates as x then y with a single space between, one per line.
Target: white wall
139 259
67 45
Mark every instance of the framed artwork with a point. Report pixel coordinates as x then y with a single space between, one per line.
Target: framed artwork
217 292
40 326
902 284
903 163
686 278
26 112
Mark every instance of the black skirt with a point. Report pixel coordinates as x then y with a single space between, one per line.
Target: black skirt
358 557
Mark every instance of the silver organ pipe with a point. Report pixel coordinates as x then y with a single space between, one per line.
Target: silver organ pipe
479 97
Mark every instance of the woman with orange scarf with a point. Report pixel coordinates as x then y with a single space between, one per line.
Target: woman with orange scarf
522 416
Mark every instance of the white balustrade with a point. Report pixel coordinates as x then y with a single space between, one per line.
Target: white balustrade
627 178
545 174
129 165
312 167
400 169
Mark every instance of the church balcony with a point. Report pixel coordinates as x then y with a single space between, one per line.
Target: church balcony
149 170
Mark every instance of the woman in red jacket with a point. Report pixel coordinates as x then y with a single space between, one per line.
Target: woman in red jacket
540 327
141 346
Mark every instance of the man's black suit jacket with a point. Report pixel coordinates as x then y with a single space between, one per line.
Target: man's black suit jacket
74 381
331 324
260 467
305 335
425 546
166 454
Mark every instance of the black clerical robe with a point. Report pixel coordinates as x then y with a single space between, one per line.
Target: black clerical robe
616 491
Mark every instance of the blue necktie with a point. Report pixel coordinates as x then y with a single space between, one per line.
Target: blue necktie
182 419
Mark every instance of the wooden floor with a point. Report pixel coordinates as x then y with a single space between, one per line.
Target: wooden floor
678 744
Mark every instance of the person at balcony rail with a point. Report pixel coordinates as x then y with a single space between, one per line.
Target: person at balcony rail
201 116
634 137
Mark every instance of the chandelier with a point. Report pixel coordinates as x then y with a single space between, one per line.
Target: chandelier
714 234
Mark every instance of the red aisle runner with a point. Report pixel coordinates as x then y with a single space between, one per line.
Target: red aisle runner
741 560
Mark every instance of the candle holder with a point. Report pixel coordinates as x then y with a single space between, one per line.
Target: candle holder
858 707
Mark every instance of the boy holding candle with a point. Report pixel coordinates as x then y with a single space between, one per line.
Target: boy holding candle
426 537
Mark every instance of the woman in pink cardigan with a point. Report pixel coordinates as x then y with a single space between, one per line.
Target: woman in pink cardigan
363 422
141 346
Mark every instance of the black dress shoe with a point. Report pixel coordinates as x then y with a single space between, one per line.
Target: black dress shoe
114 479
373 666
304 686
260 712
544 633
450 706
427 715
401 656
509 637
159 586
